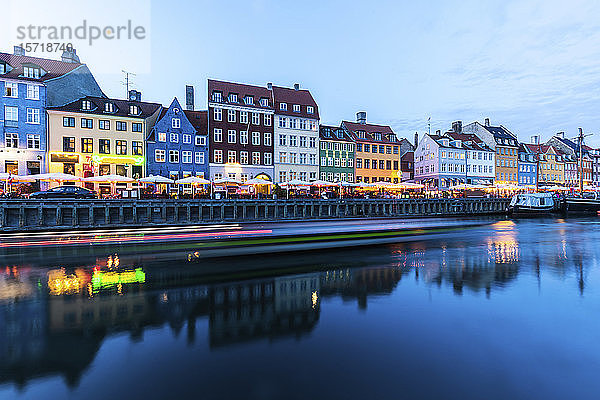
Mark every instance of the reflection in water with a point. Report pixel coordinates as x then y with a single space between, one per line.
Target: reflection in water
53 321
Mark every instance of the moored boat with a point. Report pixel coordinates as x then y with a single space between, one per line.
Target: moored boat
587 204
532 204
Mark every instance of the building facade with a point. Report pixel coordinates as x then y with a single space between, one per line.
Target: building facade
479 157
296 134
240 126
505 145
336 155
176 147
27 86
551 165
440 162
97 136
377 151
527 174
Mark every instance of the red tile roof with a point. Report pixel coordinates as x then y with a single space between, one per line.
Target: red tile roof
370 129
241 90
292 96
53 68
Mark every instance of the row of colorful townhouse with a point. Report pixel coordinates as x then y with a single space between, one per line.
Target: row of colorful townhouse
54 117
485 154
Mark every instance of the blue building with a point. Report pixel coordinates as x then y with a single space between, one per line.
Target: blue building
527 174
177 146
27 86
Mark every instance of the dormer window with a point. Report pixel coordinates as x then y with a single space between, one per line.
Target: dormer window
361 134
264 102
109 107
217 96
283 106
2 68
233 98
249 100
31 72
296 108
134 110
310 109
377 136
86 105
176 123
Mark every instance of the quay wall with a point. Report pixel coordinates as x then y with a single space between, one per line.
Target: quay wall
36 215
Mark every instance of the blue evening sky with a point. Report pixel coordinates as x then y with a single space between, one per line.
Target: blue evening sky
529 65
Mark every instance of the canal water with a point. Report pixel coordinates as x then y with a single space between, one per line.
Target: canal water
510 310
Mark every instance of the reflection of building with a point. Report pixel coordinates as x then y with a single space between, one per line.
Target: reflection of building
99 136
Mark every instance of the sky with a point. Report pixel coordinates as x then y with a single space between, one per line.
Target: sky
531 66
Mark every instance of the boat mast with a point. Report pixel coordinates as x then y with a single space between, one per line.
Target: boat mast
580 161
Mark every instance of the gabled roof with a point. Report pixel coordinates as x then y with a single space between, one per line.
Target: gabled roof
370 130
501 135
538 148
475 142
292 96
52 68
121 107
439 139
199 119
242 90
336 133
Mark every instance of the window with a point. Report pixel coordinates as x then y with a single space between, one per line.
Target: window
109 107
293 141
233 98
200 140
159 155
255 119
33 115
231 136
255 158
282 140
249 100
231 156
12 140
281 122
296 108
87 145
136 148
256 138
217 96
104 146
218 114
302 158
33 92
11 113
174 156
312 159
368 148
312 142
218 156
162 136
243 137
104 124
69 122
174 138
68 144
218 135
230 115
136 127
283 157
199 157
302 141
283 106
33 141
310 109
283 176
175 123
243 157
121 148
264 102
323 161
134 110
267 139
351 162
121 125
11 89
2 68
268 119
186 157
31 72
243 117
86 105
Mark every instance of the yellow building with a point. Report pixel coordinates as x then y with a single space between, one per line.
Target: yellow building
97 136
551 167
377 151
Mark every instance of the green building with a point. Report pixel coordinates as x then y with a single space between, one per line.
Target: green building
336 154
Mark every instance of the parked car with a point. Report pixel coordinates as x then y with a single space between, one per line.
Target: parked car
64 192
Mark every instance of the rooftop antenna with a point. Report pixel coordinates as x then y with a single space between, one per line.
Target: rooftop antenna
127 82
429 125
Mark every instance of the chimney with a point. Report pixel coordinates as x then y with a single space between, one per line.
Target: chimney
535 139
18 51
296 86
416 139
134 95
70 56
457 126
560 135
438 132
189 97
486 122
361 117
269 85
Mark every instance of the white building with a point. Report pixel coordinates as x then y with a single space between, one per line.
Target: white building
479 162
296 134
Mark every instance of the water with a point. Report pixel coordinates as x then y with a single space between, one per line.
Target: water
507 311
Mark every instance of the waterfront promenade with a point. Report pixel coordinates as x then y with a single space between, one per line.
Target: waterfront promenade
35 215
